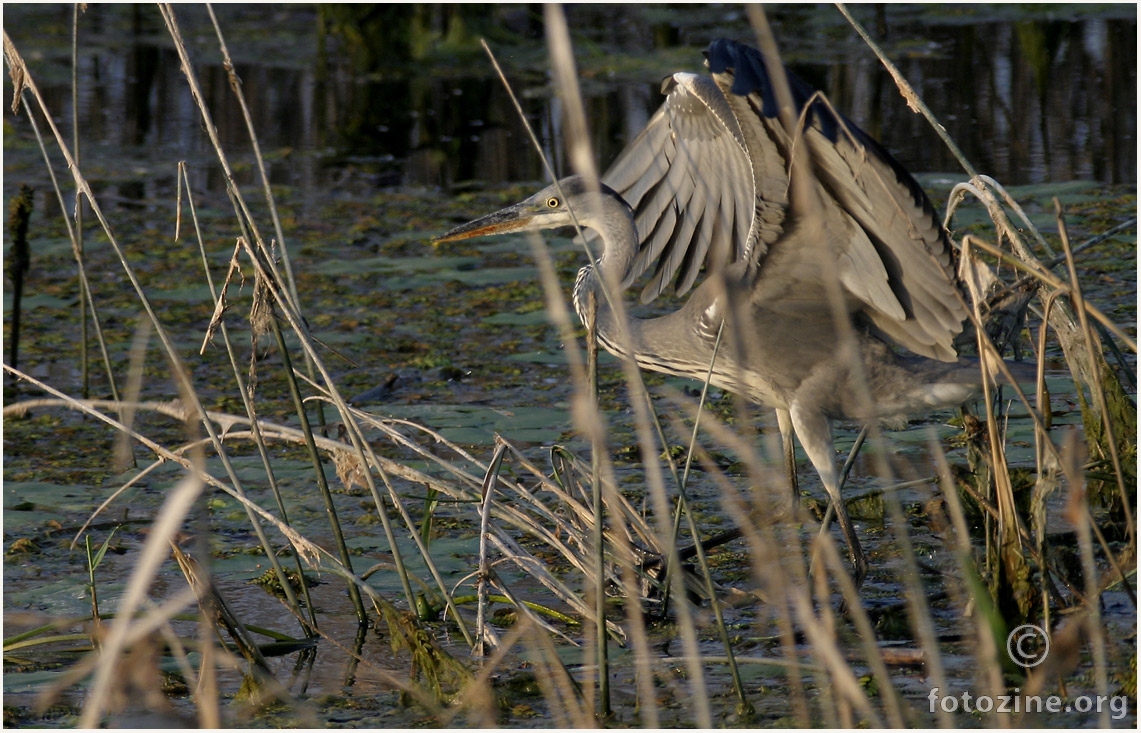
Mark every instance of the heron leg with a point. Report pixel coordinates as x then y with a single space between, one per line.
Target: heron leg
859 443
815 432
863 436
784 423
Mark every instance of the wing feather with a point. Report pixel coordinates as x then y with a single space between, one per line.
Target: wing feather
893 258
708 180
689 178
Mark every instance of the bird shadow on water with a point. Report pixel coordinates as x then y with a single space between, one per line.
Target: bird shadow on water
455 473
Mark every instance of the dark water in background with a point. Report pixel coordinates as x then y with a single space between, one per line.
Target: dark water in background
1030 94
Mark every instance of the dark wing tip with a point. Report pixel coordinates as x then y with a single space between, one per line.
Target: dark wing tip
750 76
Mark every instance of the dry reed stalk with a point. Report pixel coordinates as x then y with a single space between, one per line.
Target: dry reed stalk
153 554
219 296
268 276
1084 358
182 380
584 412
75 237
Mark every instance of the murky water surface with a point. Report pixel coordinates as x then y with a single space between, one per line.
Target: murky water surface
367 166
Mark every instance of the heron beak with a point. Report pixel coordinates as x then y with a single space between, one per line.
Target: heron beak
511 219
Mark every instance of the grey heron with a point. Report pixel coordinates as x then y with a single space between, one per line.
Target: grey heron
712 185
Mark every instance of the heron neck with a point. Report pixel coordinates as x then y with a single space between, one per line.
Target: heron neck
613 221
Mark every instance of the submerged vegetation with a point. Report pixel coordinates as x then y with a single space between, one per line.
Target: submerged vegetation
317 472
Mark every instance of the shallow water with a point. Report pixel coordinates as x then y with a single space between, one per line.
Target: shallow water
455 336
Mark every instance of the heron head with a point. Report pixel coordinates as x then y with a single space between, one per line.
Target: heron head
550 208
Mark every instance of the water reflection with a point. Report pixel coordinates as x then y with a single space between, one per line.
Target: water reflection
1031 101
1027 100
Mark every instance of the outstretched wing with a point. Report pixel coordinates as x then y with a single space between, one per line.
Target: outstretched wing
701 191
874 221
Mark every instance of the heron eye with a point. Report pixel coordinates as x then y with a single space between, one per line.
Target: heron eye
552 203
